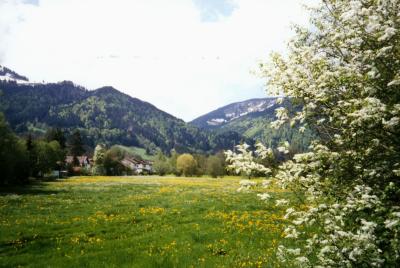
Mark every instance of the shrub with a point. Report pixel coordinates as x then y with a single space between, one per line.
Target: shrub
186 164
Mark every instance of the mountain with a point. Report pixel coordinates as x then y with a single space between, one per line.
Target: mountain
222 116
106 115
251 120
103 115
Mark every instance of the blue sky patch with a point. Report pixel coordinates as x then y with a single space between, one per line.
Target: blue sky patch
212 10
31 2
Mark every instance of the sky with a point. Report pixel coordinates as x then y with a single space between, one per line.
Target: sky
187 57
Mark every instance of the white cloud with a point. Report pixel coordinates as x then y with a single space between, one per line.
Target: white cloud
162 52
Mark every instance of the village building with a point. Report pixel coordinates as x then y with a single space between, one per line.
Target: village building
83 160
137 166
132 165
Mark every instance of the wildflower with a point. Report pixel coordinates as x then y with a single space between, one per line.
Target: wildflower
291 232
266 183
289 212
282 202
264 196
302 261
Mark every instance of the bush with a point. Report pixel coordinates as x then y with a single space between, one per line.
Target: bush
186 165
112 161
161 166
215 166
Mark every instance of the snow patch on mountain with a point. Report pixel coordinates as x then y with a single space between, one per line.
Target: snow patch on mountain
237 110
216 121
9 75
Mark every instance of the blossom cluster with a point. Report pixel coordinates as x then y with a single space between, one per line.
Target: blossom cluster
244 161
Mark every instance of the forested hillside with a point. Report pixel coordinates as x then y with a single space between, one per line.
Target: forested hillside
108 116
104 115
252 119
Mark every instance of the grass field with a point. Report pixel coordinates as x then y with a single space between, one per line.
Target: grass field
138 222
137 151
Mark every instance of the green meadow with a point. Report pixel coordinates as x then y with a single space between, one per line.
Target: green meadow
139 222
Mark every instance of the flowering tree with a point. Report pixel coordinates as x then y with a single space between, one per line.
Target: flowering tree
344 74
244 161
98 158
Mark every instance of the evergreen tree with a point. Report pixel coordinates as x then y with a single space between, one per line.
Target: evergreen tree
56 134
29 142
14 165
76 144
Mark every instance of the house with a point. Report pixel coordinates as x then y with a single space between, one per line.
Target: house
129 163
84 161
137 166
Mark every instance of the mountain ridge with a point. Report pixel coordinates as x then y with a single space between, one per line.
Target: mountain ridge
251 119
228 113
104 115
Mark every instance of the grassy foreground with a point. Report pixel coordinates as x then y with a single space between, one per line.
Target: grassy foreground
139 222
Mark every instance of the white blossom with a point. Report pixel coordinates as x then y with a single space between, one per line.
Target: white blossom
266 183
282 202
345 73
244 161
395 82
246 185
289 212
388 33
291 232
264 196
302 261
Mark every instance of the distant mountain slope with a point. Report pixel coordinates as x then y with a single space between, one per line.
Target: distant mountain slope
109 116
102 115
251 119
222 116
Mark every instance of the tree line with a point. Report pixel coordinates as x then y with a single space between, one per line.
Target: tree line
37 156
21 158
190 165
